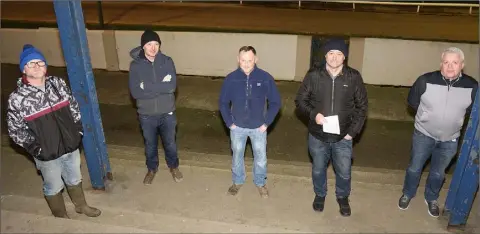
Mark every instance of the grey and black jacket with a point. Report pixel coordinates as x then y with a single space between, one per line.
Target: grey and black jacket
441 104
152 84
45 123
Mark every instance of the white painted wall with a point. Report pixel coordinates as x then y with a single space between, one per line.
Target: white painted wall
215 54
48 41
401 62
286 57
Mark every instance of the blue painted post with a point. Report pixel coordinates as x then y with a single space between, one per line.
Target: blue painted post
76 54
465 178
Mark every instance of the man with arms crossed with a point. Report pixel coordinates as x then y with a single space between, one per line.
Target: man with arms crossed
152 83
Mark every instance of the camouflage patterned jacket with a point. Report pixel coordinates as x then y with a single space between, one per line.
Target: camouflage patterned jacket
45 123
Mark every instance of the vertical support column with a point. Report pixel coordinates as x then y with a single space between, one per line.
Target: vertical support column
100 15
465 178
76 54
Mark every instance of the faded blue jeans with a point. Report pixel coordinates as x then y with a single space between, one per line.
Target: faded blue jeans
66 167
341 154
238 138
165 126
424 147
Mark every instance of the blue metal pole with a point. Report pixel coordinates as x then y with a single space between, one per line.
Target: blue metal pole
464 183
76 54
468 188
463 158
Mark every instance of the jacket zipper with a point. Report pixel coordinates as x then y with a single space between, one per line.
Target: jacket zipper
53 112
247 93
448 91
154 81
333 94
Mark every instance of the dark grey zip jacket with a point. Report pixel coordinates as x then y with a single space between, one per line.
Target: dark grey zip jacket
152 84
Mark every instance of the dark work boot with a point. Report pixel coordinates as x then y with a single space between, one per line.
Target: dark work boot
57 205
78 199
344 206
176 174
318 203
149 177
233 190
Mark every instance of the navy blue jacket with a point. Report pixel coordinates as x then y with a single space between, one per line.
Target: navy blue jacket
152 85
243 99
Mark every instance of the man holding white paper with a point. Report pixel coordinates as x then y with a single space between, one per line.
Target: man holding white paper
334 98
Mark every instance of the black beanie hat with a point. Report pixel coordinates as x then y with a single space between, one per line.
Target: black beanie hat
336 44
149 36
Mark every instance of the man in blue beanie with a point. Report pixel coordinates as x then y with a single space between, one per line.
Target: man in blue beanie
44 119
333 92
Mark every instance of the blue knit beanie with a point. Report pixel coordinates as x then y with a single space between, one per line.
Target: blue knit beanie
28 54
336 44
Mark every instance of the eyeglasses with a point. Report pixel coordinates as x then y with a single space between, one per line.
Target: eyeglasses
38 63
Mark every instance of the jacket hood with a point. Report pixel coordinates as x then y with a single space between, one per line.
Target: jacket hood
136 52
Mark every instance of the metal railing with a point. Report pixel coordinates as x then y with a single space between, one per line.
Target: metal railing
418 4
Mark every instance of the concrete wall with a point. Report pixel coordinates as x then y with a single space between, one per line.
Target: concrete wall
48 41
215 54
401 62
286 57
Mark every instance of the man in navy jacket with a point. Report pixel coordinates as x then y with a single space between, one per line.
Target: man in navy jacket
152 83
243 100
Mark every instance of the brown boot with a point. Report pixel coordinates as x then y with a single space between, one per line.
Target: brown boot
176 174
233 190
57 205
78 199
149 178
263 191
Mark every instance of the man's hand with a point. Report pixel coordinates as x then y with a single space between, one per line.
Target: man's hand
233 126
262 128
348 137
320 119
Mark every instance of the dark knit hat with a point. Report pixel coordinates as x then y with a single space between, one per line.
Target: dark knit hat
336 44
28 54
148 36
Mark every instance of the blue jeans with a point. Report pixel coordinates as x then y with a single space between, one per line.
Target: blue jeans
66 167
238 137
341 154
165 125
422 148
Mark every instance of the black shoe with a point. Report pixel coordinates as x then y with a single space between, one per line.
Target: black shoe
433 208
345 210
404 202
318 203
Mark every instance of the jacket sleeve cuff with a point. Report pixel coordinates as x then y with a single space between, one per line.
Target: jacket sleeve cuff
313 115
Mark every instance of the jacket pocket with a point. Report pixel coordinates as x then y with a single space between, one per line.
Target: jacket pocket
259 89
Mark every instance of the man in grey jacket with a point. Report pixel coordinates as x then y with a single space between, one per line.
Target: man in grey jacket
152 83
441 100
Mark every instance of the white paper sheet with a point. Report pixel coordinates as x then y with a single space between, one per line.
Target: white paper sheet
332 125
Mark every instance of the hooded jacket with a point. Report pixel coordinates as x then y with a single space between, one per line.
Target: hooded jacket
45 123
152 84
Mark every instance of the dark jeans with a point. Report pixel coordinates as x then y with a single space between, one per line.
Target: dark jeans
424 147
165 126
341 154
